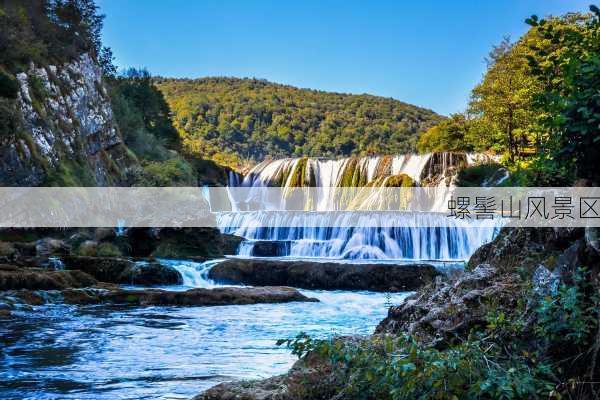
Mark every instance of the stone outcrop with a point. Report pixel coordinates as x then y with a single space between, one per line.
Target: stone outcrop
107 294
324 275
448 308
124 271
496 277
309 378
67 124
181 242
189 243
15 278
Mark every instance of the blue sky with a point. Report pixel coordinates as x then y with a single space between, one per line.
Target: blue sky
426 52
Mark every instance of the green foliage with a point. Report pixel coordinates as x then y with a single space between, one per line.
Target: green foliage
173 172
449 135
9 87
70 173
502 102
237 120
9 118
513 357
567 66
108 250
37 89
568 316
46 32
480 175
143 116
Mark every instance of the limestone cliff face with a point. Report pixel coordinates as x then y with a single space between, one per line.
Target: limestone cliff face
66 129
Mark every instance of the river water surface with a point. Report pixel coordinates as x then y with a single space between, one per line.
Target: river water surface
102 352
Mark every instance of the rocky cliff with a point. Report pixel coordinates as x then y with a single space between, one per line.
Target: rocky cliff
65 131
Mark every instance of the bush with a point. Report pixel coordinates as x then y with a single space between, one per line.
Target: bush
9 117
480 175
173 172
108 250
9 87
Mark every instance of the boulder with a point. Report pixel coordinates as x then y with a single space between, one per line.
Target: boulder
450 307
309 378
15 278
50 246
199 297
108 294
324 275
124 271
150 274
270 248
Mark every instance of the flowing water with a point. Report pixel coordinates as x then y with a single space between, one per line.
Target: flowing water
107 352
68 352
401 236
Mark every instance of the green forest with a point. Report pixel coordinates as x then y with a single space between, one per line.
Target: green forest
238 122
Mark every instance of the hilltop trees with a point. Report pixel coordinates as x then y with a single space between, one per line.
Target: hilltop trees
236 120
47 31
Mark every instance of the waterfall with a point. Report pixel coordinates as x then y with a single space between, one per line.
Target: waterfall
194 274
409 236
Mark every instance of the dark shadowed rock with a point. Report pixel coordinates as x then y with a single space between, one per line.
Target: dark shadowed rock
108 294
15 278
330 276
201 297
125 271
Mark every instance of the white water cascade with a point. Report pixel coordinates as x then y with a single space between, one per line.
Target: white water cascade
409 236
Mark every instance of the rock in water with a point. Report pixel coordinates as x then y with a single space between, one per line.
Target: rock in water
328 275
192 297
125 271
15 278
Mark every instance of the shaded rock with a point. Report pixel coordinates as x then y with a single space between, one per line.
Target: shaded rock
104 234
149 274
124 271
7 249
329 275
192 297
14 278
50 246
270 248
193 242
525 248
103 269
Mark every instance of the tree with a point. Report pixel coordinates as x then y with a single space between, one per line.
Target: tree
503 100
567 65
449 135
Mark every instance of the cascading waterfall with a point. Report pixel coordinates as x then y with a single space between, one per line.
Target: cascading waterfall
412 236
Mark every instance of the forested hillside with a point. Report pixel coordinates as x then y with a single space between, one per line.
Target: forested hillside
234 121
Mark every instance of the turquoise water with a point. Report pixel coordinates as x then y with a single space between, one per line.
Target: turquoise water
100 352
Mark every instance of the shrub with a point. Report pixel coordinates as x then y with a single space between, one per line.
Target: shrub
108 250
9 87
